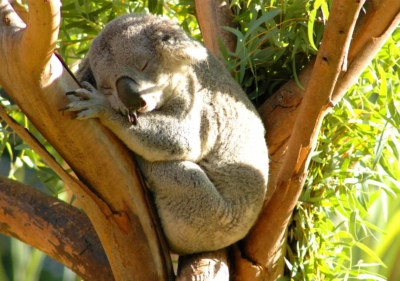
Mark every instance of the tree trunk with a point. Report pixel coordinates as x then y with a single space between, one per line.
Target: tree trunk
212 15
260 258
111 192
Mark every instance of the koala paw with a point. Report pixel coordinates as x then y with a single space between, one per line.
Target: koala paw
91 103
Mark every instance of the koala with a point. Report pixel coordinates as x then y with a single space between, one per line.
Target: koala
197 138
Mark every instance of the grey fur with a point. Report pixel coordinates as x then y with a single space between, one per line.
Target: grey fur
199 142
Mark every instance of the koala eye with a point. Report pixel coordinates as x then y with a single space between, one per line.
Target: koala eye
166 37
145 66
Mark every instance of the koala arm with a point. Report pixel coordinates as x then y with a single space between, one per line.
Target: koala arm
157 136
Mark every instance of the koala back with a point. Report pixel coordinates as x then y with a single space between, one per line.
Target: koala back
199 141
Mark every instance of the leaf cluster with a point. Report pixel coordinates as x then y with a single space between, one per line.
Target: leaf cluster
275 39
83 20
333 234
355 168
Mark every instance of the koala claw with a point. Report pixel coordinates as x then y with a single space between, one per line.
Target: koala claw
91 104
70 93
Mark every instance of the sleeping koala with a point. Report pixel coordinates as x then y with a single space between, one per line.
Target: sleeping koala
197 138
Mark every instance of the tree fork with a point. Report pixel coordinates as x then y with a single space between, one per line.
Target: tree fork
36 81
357 61
280 112
284 105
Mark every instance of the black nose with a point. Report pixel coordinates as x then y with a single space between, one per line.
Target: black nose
128 93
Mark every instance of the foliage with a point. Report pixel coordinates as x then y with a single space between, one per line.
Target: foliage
337 226
83 20
340 224
274 41
356 164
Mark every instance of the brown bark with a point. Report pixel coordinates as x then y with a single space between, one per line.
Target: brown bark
315 104
279 114
212 15
204 266
46 223
112 195
276 112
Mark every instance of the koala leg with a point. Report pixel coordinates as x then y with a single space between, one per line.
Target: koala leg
194 214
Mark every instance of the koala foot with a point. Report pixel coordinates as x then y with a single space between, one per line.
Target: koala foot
91 103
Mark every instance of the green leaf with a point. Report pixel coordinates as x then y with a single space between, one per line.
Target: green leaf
22 146
370 253
265 17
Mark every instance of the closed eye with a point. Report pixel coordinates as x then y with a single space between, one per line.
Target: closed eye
145 66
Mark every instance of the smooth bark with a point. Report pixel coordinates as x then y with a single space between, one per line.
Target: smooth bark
204 266
109 189
212 15
280 113
257 257
264 253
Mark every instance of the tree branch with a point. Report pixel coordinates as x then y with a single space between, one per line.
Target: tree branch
204 266
315 104
54 227
115 200
378 26
279 114
292 174
212 15
43 19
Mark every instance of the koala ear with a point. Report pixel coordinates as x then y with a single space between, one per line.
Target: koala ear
85 73
174 44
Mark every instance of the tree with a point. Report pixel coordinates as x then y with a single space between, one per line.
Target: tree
115 202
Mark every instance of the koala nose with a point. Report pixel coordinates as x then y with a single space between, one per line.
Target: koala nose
129 94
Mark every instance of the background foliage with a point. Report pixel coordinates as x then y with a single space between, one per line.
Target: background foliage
345 225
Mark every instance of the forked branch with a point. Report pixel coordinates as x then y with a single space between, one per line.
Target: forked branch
283 108
114 199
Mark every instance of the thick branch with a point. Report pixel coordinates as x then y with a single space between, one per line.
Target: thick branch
379 25
280 112
43 19
204 266
115 200
316 102
54 227
212 15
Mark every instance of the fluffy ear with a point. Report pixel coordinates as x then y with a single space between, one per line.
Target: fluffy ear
174 44
85 73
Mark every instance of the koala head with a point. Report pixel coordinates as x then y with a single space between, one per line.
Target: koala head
138 60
